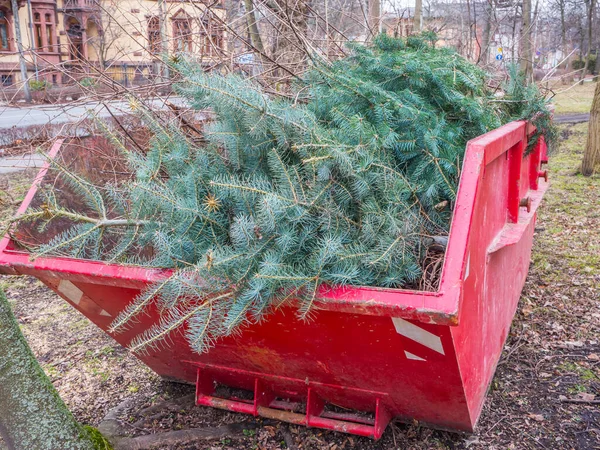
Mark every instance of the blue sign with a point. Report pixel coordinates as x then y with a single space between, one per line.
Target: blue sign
247 58
498 57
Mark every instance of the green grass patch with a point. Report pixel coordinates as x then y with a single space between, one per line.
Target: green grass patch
573 100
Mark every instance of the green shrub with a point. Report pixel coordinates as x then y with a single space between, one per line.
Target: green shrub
88 82
580 64
39 85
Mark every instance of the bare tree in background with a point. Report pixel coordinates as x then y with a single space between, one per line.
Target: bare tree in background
590 6
104 39
418 16
375 15
591 156
255 37
526 59
484 56
19 41
275 40
562 7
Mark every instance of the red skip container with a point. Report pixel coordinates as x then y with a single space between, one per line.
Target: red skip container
370 354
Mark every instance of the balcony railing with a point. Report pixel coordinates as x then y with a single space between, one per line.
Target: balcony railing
80 4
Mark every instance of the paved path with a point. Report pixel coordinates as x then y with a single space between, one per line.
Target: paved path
43 115
21 117
50 115
17 163
572 118
55 116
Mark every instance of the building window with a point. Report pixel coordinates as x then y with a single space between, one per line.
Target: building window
43 32
182 35
49 31
216 34
154 41
6 80
211 37
4 32
37 31
75 34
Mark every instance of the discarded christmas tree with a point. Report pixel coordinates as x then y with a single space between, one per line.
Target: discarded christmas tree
348 183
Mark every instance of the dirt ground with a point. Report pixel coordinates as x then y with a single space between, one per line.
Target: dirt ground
544 394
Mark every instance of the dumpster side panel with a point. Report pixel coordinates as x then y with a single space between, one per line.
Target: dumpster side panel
499 252
411 366
490 214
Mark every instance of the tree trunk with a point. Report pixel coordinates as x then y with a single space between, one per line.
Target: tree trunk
590 21
164 42
581 42
591 156
469 40
290 47
32 415
484 56
526 54
255 38
563 38
22 63
374 16
514 34
418 16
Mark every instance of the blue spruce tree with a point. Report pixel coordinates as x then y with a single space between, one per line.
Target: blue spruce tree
346 183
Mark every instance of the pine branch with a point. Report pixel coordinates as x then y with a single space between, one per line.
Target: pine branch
346 186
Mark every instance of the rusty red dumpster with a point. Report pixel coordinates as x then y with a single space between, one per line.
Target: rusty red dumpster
369 354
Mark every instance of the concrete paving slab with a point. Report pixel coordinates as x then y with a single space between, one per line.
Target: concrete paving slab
17 163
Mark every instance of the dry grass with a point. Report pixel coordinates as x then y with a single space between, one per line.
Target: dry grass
573 100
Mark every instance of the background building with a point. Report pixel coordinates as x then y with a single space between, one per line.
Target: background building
67 40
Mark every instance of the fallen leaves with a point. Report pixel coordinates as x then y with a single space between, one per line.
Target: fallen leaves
536 417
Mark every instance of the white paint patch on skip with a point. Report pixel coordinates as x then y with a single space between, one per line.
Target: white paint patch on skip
418 334
70 291
468 268
105 313
413 357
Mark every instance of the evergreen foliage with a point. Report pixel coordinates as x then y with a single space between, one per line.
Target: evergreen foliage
523 101
344 184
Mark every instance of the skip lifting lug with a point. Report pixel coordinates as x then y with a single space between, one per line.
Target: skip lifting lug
526 203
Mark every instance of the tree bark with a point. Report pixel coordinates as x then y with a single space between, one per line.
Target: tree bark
590 21
164 42
253 27
374 16
22 63
563 36
526 54
484 56
591 156
418 16
32 415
